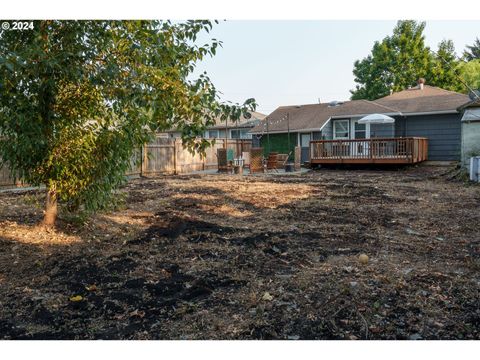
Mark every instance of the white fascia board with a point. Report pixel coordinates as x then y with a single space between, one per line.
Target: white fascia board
398 113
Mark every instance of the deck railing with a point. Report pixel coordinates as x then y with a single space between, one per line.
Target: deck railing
394 150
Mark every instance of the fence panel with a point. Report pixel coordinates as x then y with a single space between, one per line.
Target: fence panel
159 157
5 177
165 156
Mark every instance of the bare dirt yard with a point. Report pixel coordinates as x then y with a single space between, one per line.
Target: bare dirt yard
264 257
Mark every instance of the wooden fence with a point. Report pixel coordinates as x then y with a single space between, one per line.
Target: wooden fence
165 156
169 156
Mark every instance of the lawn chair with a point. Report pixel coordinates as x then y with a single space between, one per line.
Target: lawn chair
230 155
224 165
272 162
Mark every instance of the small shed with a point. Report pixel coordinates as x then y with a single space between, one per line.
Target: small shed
470 130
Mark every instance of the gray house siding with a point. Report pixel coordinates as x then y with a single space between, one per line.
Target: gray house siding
382 130
443 132
327 131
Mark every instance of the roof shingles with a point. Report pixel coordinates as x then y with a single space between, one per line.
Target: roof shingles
314 116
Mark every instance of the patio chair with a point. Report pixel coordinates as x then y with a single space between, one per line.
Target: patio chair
224 165
272 162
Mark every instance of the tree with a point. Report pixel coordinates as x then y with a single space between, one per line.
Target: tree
469 72
78 97
473 51
443 71
395 62
399 60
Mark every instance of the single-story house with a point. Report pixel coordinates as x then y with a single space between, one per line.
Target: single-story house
341 137
470 130
227 129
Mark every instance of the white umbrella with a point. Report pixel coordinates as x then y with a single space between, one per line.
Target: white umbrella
376 119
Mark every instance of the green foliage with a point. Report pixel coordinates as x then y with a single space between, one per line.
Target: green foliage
78 97
472 52
399 60
443 71
470 73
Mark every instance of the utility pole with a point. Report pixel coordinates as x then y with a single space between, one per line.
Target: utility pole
226 134
268 137
288 131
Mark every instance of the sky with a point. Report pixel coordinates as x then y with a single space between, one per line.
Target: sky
301 62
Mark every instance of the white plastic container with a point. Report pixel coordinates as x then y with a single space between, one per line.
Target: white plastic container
475 168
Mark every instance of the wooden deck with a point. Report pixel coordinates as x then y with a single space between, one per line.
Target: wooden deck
409 150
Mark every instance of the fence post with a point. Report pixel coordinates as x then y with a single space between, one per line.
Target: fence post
175 156
143 160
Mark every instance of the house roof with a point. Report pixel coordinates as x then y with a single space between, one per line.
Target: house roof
241 123
314 116
473 103
471 110
428 99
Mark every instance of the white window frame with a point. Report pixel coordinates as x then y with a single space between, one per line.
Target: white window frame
207 132
235 130
354 132
300 141
335 122
242 133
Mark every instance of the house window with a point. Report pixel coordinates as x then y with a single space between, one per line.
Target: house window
305 140
240 134
211 134
341 129
360 131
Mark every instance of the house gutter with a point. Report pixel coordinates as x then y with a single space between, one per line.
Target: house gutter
431 113
285 131
397 113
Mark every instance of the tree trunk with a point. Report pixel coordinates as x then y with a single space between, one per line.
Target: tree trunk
50 208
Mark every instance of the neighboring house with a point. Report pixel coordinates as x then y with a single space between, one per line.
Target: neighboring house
470 130
423 111
228 129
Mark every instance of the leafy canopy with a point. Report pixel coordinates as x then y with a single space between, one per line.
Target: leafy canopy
399 60
470 73
78 97
443 70
472 52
